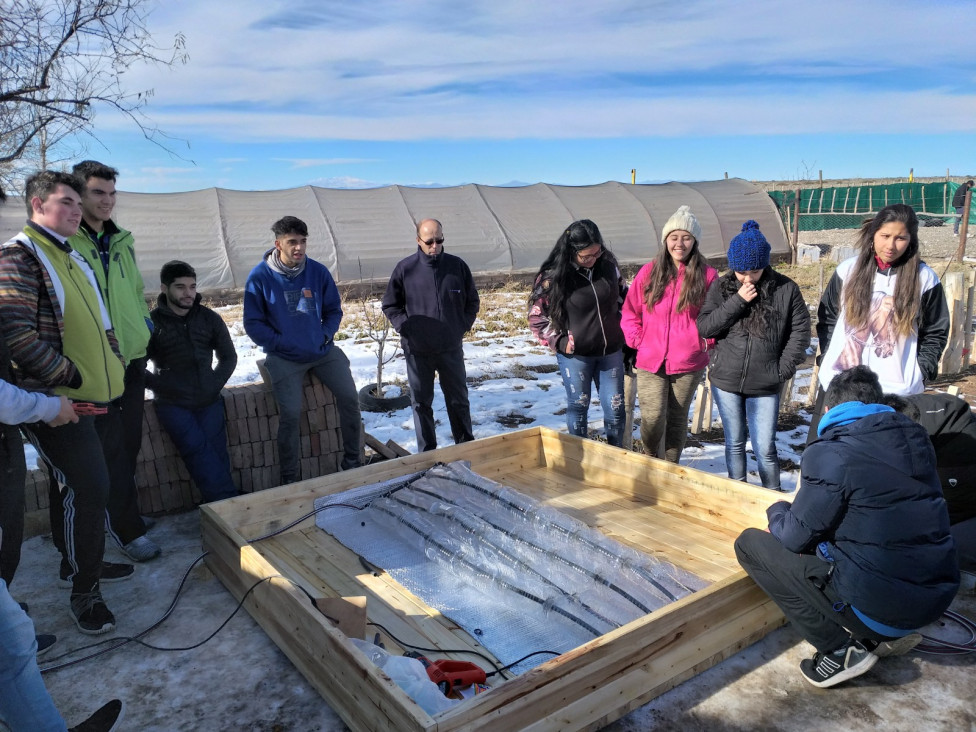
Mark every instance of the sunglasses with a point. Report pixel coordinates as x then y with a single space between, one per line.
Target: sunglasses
589 257
431 242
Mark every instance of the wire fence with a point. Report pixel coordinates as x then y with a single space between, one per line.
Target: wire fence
848 207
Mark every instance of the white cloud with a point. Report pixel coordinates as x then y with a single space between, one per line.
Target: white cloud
397 70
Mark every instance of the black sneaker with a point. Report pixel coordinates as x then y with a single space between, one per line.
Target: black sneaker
828 669
105 719
111 572
90 613
44 642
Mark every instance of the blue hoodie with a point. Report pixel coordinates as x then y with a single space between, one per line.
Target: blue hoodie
293 318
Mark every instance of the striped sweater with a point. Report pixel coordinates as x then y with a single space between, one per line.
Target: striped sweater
32 305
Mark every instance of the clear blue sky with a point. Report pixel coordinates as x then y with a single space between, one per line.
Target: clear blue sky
349 94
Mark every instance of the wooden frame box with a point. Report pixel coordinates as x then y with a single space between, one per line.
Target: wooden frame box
688 517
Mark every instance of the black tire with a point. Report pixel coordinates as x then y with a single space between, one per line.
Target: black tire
372 403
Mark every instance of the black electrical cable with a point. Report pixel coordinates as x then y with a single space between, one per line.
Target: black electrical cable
939 647
525 657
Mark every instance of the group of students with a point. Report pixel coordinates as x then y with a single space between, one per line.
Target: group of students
863 557
882 322
750 327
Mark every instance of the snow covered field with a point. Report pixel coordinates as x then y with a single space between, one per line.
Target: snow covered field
513 384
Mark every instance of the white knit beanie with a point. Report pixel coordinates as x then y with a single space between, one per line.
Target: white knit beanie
682 220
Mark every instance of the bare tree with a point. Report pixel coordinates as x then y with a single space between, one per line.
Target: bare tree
379 330
61 59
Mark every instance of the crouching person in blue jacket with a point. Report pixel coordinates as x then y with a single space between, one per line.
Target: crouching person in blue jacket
863 557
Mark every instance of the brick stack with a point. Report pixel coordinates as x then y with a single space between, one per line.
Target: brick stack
162 480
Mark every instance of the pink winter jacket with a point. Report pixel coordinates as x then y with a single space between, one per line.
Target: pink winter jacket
662 335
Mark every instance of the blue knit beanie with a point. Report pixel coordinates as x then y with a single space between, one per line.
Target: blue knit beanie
749 250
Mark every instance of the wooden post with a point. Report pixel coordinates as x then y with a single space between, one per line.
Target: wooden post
952 357
630 397
701 415
794 243
964 228
967 351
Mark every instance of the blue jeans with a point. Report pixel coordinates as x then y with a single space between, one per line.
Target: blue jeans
287 383
24 701
201 438
578 373
761 414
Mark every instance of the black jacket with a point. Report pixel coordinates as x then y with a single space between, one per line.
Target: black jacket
746 364
182 348
951 425
870 491
592 309
431 302
959 197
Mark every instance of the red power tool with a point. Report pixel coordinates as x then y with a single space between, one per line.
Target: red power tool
450 674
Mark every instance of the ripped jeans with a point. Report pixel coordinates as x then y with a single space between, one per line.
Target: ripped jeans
607 372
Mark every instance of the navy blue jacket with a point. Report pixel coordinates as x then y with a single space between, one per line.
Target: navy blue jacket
431 302
296 318
871 502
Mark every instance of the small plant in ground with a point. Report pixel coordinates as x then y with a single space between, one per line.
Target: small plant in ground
378 329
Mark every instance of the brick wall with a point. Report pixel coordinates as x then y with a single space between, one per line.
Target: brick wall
162 480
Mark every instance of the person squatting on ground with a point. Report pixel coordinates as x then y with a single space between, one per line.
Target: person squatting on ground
574 310
959 203
883 308
431 301
292 309
186 385
24 701
61 339
863 557
658 320
761 328
110 251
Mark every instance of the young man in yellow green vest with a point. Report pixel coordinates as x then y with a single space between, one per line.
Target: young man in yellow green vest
60 337
111 253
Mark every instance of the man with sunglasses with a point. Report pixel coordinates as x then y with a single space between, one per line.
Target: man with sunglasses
432 302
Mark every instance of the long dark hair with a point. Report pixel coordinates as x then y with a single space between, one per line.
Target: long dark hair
760 318
908 289
666 271
560 266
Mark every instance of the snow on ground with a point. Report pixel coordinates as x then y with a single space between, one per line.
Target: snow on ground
513 384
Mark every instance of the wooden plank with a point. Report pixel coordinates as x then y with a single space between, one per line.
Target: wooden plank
397 449
952 357
379 447
348 614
